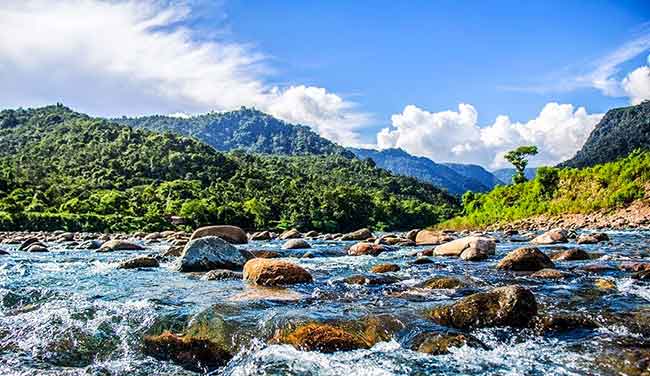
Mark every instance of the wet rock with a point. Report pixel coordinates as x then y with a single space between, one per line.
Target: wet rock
596 268
412 235
311 234
174 251
139 262
442 283
208 253
385 268
65 237
370 280
592 238
560 323
120 245
573 254
473 254
520 238
37 247
262 253
26 243
323 338
550 274
307 255
231 234
222 274
196 354
296 244
427 237
634 361
554 236
270 272
290 234
422 261
361 234
604 284
3 252
153 236
458 246
365 248
276 294
90 244
261 235
643 275
635 266
525 259
426 252
440 343
503 306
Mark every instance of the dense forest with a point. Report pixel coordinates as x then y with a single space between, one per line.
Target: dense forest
558 191
246 129
61 169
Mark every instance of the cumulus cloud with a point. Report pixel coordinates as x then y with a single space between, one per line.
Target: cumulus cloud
136 57
455 136
637 84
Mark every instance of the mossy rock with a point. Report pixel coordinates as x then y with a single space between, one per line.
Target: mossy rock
443 283
323 338
192 353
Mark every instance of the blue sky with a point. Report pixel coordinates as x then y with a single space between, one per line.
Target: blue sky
458 81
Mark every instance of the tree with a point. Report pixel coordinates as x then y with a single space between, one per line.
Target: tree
518 159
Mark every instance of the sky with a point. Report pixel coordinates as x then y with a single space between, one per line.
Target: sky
455 81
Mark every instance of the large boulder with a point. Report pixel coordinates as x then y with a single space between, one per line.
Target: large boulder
528 259
296 244
231 234
426 237
361 234
271 272
210 252
119 245
554 236
365 248
503 306
470 244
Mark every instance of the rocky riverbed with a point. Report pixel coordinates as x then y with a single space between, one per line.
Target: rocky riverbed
225 302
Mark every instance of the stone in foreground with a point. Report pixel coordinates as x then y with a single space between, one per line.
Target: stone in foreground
208 253
231 234
503 306
270 272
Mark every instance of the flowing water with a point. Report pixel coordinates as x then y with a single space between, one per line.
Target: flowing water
72 312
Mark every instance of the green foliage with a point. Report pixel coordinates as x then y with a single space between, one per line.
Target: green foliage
558 191
67 170
518 159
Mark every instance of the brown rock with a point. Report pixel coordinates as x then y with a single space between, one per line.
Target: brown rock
139 262
443 283
571 255
290 234
385 268
365 248
323 338
270 272
119 245
457 247
262 235
525 259
427 237
196 354
550 274
296 244
261 253
554 236
361 234
231 234
440 343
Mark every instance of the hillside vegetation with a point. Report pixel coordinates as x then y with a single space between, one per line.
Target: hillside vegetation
558 191
246 129
62 169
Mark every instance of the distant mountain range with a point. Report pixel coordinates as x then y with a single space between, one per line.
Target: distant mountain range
505 174
246 129
455 178
619 132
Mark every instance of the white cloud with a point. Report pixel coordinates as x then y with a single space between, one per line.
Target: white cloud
637 84
559 131
135 57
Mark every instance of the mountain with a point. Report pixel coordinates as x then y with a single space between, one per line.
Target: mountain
400 162
247 129
505 174
477 173
619 132
60 169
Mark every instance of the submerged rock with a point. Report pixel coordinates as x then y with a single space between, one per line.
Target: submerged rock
270 272
440 343
222 274
554 236
263 253
296 244
525 259
120 245
385 268
139 262
562 323
442 283
370 280
503 306
323 338
550 274
196 354
211 252
231 234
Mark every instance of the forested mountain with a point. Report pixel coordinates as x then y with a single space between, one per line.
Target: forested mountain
62 169
246 129
505 174
400 162
619 132
477 173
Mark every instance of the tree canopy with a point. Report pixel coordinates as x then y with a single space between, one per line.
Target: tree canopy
518 159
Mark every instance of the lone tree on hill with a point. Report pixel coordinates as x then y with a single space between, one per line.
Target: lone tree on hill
518 159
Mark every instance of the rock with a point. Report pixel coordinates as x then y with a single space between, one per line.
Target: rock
262 235
593 238
440 343
174 251
643 275
322 338
365 248
406 243
307 255
361 234
550 274
37 247
139 262
296 244
231 234
27 243
604 284
412 235
519 239
290 234
262 253
596 268
66 237
270 272
503 306
442 283
573 254
210 252
370 280
222 274
559 323
557 235
195 354
634 266
385 268
426 237
90 244
528 259
422 261
3 252
458 246
473 254
311 234
153 236
119 245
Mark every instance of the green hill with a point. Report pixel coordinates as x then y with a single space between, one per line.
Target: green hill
246 129
62 169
